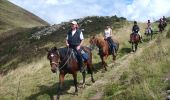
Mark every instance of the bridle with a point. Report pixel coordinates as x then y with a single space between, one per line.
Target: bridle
57 63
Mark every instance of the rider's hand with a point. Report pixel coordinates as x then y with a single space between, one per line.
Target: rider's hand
67 45
78 47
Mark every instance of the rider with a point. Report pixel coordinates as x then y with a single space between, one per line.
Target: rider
164 19
149 27
160 21
108 36
74 40
135 30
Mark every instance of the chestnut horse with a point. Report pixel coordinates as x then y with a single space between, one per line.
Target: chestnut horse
104 51
64 60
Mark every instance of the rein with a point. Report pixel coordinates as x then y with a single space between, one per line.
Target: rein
67 59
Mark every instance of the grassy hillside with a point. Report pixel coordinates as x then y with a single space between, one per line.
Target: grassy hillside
32 78
13 17
147 76
27 50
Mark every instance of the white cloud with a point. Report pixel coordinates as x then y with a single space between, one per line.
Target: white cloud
56 11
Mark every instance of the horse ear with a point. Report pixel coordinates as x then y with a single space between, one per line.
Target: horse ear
54 48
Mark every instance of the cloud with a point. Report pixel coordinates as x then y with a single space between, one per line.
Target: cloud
56 11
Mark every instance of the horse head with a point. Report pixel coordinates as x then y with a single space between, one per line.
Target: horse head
92 42
54 58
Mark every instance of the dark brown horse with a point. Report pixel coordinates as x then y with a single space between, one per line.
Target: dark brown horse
161 27
134 39
64 60
104 51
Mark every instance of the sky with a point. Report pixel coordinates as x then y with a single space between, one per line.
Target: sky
57 11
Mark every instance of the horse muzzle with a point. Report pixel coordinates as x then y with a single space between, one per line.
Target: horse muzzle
54 68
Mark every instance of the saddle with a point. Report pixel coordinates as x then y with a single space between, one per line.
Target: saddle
111 47
84 55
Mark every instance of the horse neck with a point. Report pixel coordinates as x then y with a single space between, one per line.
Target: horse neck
100 43
67 61
64 53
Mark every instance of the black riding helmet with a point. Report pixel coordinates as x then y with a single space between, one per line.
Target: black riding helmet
135 22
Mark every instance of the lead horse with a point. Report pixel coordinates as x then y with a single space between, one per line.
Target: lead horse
64 60
104 51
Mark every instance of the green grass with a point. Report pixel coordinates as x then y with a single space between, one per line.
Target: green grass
144 80
25 62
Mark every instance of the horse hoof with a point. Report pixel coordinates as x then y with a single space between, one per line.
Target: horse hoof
58 98
93 80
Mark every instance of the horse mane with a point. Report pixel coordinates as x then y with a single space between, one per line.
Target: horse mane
64 52
100 41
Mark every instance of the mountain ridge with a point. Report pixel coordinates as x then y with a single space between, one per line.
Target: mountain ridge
13 17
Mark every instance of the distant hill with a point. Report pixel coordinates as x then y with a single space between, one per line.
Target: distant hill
14 17
26 49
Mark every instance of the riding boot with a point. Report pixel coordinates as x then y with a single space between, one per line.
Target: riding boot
114 51
81 66
80 63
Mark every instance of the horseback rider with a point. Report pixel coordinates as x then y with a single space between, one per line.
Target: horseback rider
135 31
161 21
74 40
108 36
149 27
164 19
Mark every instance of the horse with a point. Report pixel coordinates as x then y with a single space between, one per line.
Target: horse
104 51
134 40
161 27
149 32
64 60
164 24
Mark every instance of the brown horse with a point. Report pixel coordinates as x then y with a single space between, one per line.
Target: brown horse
134 39
64 60
104 51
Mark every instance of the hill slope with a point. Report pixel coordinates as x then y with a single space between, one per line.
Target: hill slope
27 49
34 80
12 17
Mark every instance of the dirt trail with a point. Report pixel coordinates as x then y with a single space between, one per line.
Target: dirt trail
103 78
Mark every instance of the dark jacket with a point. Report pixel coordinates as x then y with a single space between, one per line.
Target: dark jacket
75 39
135 29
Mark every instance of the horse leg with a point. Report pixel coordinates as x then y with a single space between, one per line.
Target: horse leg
136 46
84 76
90 71
103 63
75 82
61 80
132 47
